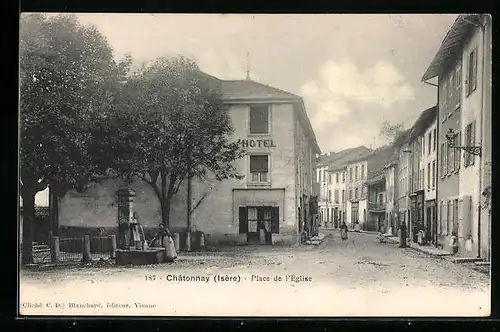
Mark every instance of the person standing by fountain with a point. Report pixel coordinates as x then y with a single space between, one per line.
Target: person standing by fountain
164 239
135 233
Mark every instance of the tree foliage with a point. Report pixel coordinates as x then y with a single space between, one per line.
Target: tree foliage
68 82
172 125
391 130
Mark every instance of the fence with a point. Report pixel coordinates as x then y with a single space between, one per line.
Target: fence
83 248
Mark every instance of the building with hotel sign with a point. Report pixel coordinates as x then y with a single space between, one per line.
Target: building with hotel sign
276 192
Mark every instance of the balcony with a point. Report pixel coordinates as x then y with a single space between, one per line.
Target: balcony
376 206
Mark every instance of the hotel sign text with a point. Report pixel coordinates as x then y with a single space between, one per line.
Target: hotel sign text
257 143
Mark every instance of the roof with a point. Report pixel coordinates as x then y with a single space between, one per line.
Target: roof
375 179
377 162
345 157
248 89
326 159
451 46
423 122
402 138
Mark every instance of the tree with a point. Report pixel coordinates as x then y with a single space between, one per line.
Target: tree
391 130
68 81
172 125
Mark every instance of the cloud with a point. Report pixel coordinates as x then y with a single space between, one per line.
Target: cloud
345 100
381 84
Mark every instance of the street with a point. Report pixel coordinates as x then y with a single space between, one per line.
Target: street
357 277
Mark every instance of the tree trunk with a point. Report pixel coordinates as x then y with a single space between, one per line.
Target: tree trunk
165 217
54 210
28 220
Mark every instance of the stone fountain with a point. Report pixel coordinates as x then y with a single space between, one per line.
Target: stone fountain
132 246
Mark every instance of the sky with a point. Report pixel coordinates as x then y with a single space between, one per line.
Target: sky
353 70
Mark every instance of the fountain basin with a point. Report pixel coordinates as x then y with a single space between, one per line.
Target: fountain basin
140 257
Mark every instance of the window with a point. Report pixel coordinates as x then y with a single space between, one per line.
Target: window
259 168
471 81
457 152
259 119
336 196
422 147
350 174
428 176
433 176
319 176
430 143
443 159
449 160
451 86
329 178
329 196
362 171
337 177
435 139
356 193
343 177
458 83
445 99
356 174
350 195
470 141
252 219
343 195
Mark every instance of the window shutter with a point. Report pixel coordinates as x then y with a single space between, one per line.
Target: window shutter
466 214
445 218
258 164
474 70
259 119
243 220
472 141
445 159
459 150
468 76
275 220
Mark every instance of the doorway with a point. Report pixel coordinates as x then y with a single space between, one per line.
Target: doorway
261 221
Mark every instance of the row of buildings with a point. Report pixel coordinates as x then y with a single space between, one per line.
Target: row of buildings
436 176
352 187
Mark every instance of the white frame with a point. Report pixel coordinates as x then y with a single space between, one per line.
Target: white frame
269 168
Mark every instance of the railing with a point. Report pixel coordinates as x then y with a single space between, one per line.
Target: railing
100 247
70 249
378 206
83 248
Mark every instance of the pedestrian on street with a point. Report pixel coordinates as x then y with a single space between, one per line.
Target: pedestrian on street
343 231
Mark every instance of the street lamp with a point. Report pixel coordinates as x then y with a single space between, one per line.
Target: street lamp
450 137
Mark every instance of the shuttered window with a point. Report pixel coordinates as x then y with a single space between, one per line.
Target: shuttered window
471 82
470 133
259 119
259 168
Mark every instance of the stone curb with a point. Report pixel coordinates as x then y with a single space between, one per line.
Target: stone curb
366 232
438 255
